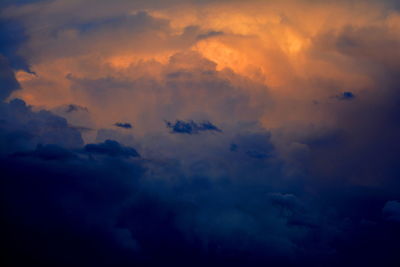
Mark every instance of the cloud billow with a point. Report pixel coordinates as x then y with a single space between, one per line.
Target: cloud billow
288 153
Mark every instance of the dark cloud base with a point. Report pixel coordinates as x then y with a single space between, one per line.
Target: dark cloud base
83 211
102 204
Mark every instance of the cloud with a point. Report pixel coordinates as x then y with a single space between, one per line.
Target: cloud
124 125
72 108
131 215
130 210
7 79
23 129
111 148
191 127
13 35
292 179
209 35
47 187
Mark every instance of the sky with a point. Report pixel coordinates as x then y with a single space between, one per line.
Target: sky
200 133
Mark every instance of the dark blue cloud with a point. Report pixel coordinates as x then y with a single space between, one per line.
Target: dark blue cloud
124 125
111 148
191 127
23 129
95 206
72 206
71 108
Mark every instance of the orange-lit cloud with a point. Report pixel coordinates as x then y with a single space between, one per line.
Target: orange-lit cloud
292 53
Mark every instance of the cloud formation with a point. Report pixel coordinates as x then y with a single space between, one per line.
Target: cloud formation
125 125
266 132
191 127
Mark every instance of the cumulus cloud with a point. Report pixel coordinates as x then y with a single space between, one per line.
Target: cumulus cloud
285 119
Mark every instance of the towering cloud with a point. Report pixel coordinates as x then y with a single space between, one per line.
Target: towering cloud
194 133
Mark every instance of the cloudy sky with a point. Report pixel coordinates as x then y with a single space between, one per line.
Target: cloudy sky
200 133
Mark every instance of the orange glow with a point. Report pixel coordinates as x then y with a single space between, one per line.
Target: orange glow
283 46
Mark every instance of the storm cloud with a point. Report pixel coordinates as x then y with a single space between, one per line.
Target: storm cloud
265 133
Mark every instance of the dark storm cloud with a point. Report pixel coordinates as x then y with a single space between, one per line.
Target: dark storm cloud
98 198
104 204
117 206
21 128
107 205
191 127
71 204
124 125
326 199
